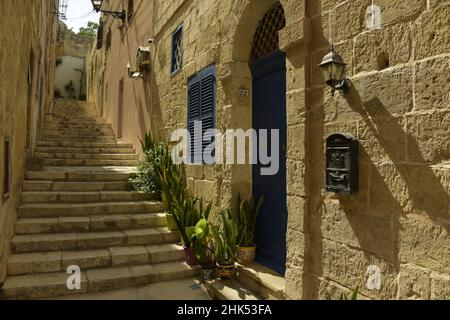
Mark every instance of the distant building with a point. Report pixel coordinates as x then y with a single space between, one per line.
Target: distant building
70 79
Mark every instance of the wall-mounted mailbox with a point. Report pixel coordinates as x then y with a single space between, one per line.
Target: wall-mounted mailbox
342 168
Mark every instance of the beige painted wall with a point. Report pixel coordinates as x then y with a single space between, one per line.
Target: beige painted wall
398 108
27 63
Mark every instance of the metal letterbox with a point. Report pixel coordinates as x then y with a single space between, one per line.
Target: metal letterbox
342 153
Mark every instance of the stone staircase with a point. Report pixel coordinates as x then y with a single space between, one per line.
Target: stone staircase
75 210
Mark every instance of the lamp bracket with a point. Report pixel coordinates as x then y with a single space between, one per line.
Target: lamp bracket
342 86
116 14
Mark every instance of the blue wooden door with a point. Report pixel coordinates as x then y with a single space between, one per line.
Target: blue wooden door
269 112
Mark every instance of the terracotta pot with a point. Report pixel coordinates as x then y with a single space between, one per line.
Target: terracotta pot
190 256
171 224
246 255
226 272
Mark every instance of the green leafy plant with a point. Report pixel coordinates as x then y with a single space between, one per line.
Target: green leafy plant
199 236
90 30
187 214
354 295
151 169
225 239
148 143
245 218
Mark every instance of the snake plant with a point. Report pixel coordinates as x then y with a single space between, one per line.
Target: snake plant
245 218
225 239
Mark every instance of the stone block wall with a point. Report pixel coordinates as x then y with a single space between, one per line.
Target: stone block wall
398 108
27 66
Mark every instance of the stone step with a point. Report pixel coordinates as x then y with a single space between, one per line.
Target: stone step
83 174
69 133
83 144
264 282
29 185
58 124
88 162
87 137
83 197
55 284
81 130
228 290
91 240
59 261
51 210
55 123
70 150
75 142
81 156
79 133
95 223
77 118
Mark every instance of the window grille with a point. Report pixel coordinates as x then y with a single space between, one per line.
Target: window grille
266 37
177 50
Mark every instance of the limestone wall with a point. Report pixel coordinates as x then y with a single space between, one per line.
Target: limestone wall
398 107
27 64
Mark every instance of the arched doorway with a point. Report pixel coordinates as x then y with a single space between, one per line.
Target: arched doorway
268 67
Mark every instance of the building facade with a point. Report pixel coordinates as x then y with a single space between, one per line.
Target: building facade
27 58
70 78
254 64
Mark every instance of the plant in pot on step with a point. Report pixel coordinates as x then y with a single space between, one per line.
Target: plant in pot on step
225 245
187 214
245 218
173 190
201 242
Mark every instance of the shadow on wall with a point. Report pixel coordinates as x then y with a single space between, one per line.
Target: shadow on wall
373 214
425 192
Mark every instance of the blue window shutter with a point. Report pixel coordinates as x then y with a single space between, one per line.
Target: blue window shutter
208 109
193 115
201 107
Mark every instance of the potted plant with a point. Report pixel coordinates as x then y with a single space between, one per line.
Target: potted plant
147 178
188 214
225 245
245 217
201 242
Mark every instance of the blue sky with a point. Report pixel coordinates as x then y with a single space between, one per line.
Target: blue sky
77 14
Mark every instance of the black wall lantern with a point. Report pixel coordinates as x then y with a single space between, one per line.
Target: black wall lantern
342 167
97 4
333 68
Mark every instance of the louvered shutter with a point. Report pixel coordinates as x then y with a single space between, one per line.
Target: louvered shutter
208 110
201 107
193 116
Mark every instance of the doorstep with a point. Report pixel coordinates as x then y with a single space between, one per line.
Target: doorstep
253 282
262 281
219 289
